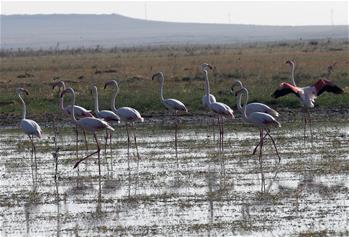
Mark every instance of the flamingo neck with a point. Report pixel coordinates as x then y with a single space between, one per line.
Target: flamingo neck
207 87
61 105
292 74
162 88
73 109
113 101
24 107
95 93
238 103
246 100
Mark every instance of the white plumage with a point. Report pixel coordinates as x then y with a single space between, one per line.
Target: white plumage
126 114
252 107
29 127
205 99
78 110
171 104
217 107
107 115
259 119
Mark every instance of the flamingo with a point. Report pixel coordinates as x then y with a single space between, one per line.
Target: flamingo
172 105
126 114
90 124
79 111
306 95
106 115
205 99
253 107
221 109
29 127
263 121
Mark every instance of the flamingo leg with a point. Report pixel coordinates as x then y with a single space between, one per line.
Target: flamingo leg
272 139
98 151
305 123
34 152
260 141
261 161
176 128
31 159
106 142
99 155
128 140
86 144
222 133
111 151
311 131
213 130
77 141
135 139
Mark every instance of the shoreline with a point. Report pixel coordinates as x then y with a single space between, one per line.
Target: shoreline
286 115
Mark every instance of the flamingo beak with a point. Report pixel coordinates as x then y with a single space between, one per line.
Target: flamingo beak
64 92
238 92
152 78
108 83
25 91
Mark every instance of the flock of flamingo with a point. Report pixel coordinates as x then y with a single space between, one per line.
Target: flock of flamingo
260 115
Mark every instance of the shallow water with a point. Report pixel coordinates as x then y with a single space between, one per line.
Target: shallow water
201 191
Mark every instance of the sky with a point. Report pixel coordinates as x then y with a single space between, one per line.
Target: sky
228 12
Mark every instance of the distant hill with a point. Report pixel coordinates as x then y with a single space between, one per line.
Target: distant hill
45 31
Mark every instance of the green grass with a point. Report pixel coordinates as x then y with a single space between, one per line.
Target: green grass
261 67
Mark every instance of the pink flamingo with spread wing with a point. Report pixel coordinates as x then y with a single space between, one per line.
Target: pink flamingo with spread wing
90 124
308 94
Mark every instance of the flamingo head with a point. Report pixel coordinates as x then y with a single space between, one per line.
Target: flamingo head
206 66
159 76
68 90
290 62
93 90
19 90
331 67
242 90
111 82
236 83
59 84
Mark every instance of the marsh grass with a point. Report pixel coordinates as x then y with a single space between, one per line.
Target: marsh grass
261 67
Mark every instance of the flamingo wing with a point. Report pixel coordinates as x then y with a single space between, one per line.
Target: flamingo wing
108 115
31 127
323 85
222 109
94 124
259 107
78 110
284 89
173 104
205 100
129 114
263 120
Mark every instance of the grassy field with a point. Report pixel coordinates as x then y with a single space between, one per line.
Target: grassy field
261 67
